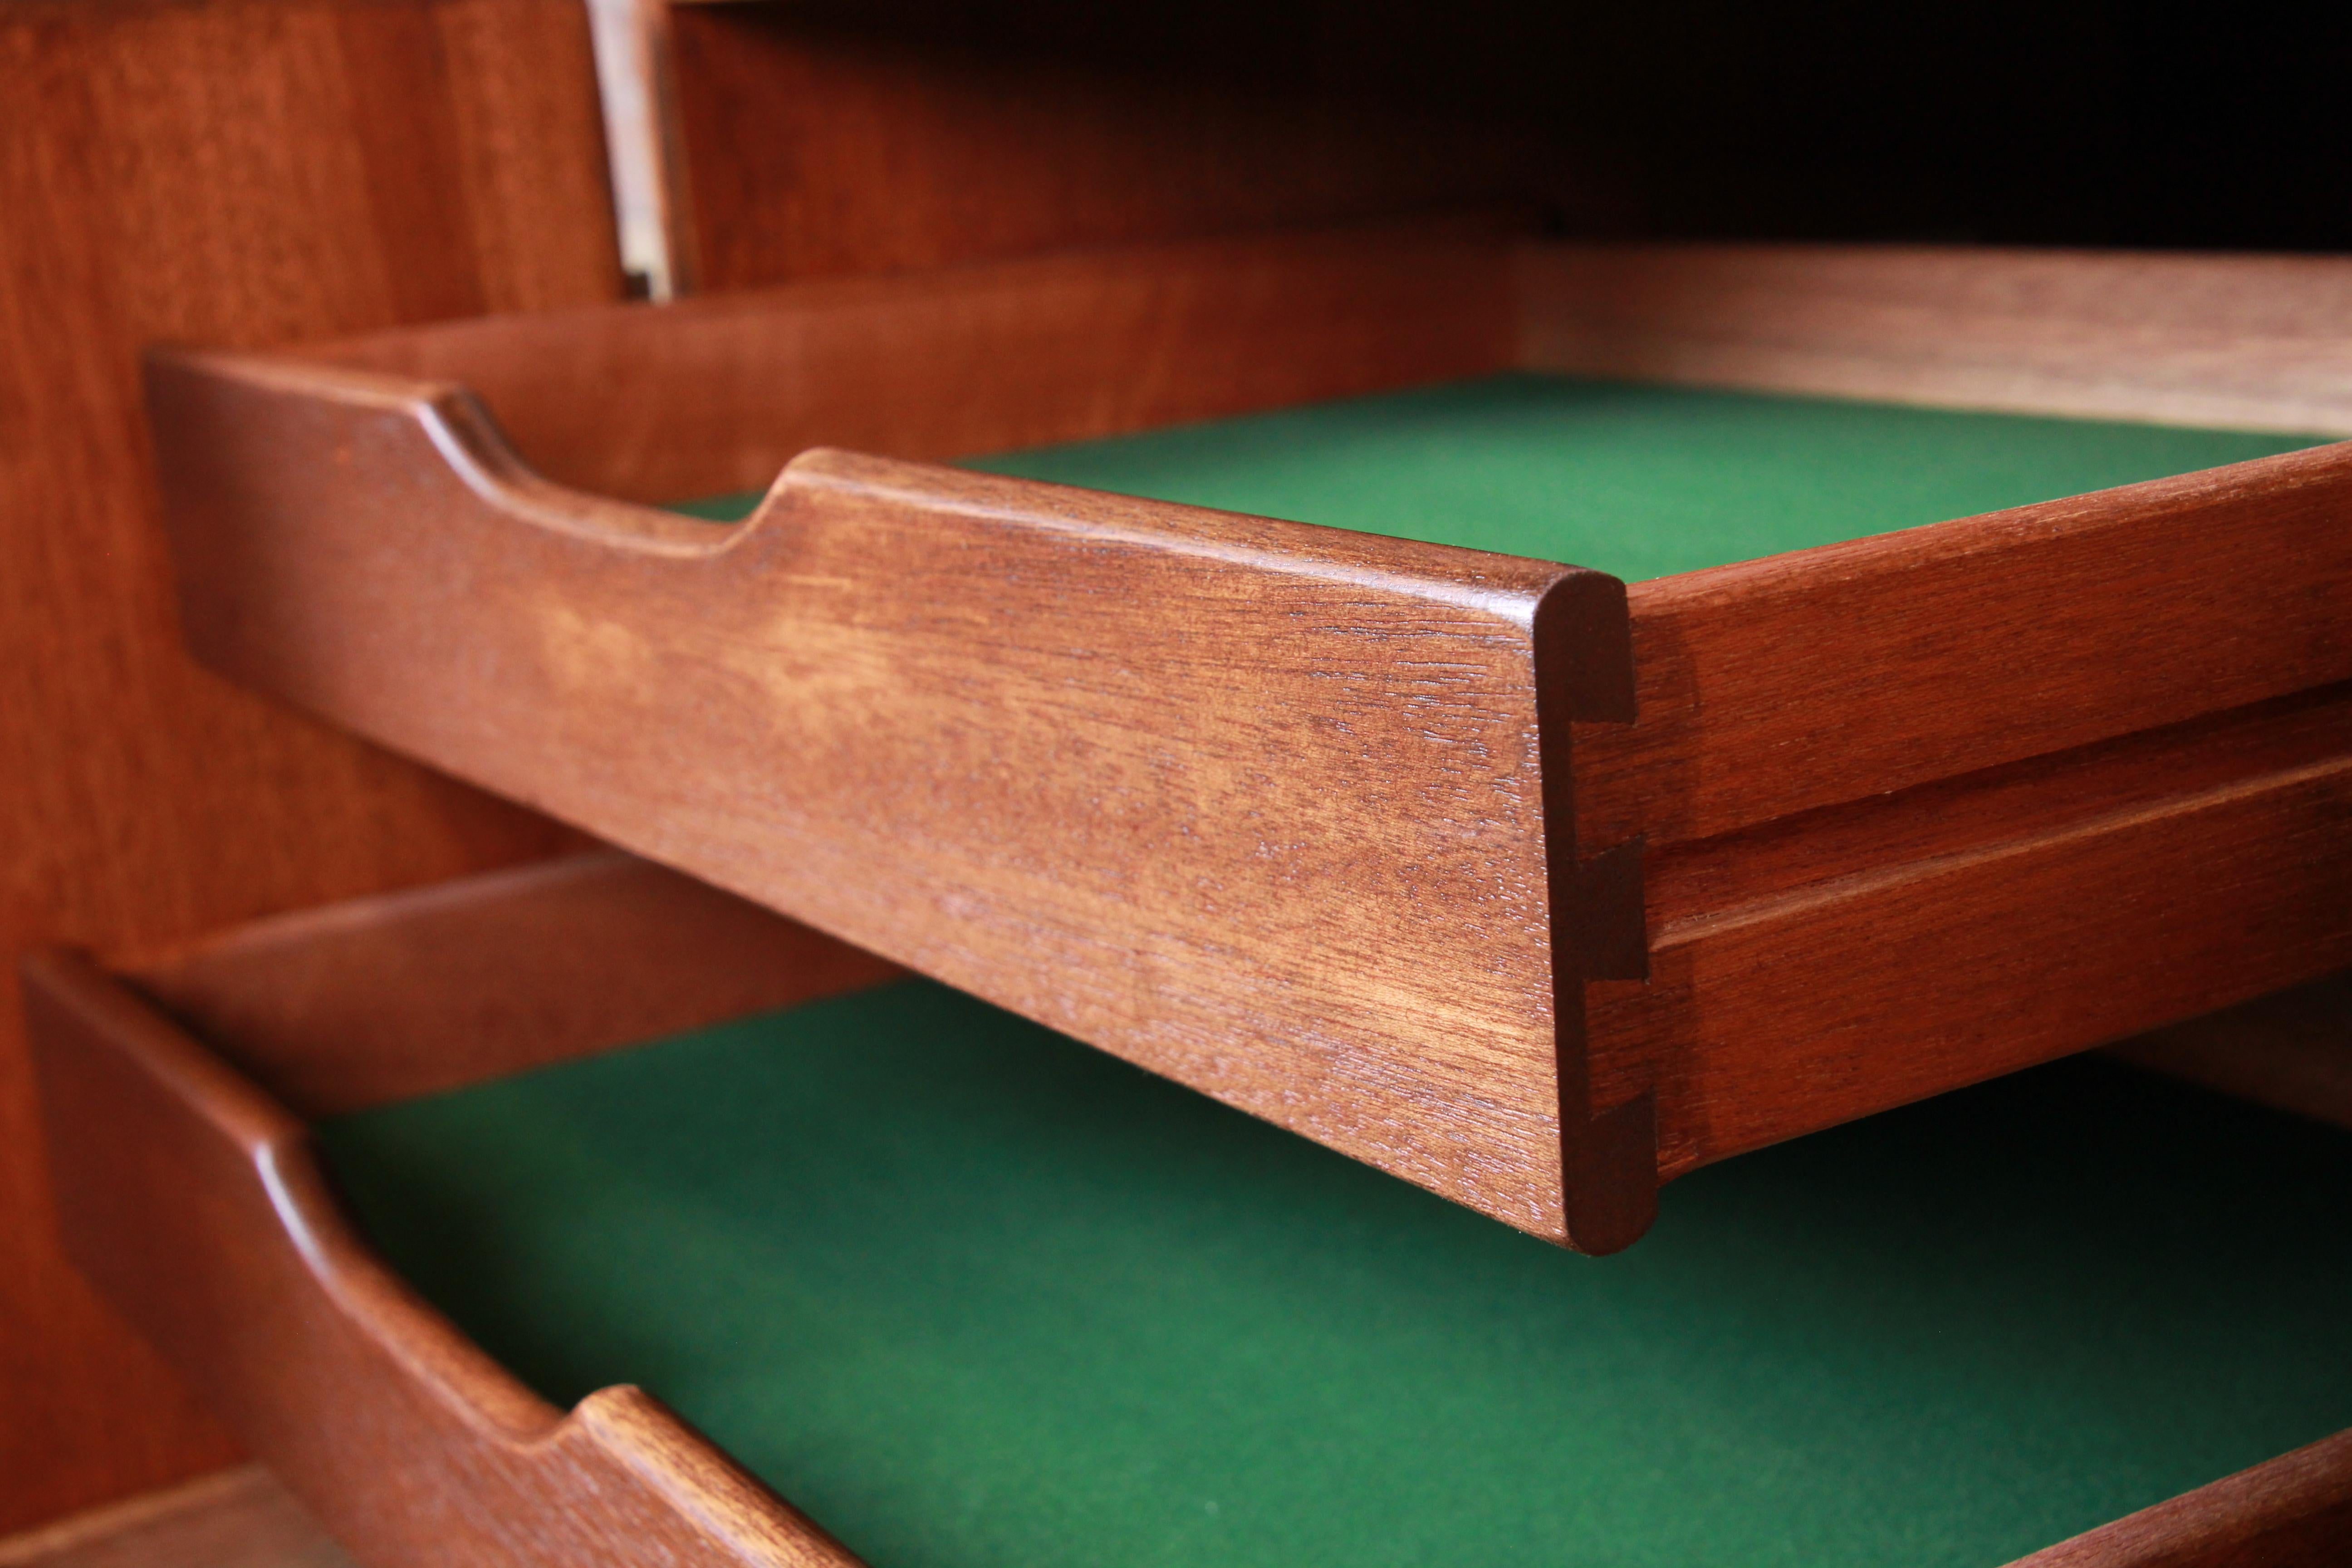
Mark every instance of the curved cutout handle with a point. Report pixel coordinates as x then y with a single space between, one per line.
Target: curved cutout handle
197 1203
1271 808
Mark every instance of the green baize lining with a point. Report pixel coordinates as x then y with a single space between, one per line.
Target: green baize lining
1637 480
973 1294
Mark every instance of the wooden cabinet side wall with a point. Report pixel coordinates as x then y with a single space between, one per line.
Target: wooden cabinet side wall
230 172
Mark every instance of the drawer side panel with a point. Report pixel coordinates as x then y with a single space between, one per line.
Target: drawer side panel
1256 805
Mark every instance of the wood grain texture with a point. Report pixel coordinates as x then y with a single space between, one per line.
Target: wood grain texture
1257 805
196 1200
724 391
2257 343
1897 659
197 1203
1834 963
1838 719
231 172
1933 652
326 1008
810 151
2291 1050
239 1518
2294 1511
1936 651
1921 953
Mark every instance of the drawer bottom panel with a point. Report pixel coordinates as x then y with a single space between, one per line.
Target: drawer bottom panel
1636 480
971 1293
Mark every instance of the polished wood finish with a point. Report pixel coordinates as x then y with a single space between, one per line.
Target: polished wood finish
964 360
196 1199
197 1203
504 972
2258 342
1916 655
1904 834
1918 674
2294 1511
1290 846
2291 1050
801 149
237 173
239 1518
1898 659
1833 963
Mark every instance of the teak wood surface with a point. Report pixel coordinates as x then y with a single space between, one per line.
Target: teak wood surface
799 147
250 173
1245 801
196 1204
728 388
194 1197
2256 342
239 172
327 1005
1279 810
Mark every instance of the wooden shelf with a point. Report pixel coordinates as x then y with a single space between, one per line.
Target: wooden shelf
194 1199
1916 810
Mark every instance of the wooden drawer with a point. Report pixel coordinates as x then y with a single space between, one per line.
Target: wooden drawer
1530 886
192 1192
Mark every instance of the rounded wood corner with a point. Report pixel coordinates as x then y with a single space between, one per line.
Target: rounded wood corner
200 1207
1609 1177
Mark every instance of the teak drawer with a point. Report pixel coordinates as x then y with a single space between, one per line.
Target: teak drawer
1530 887
192 1193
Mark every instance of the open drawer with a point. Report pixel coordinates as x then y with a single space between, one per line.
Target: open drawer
1534 888
973 1294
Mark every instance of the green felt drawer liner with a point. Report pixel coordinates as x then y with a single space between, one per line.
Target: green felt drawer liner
975 1295
1638 480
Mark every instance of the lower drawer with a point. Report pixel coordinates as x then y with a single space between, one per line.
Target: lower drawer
973 1294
